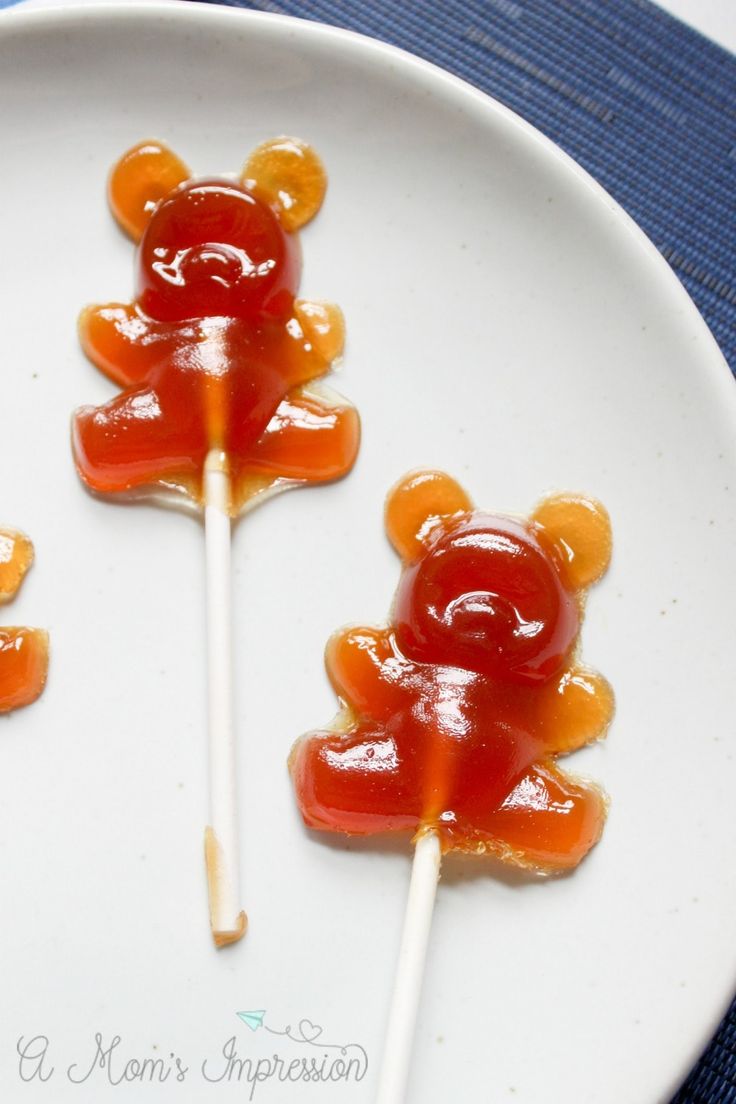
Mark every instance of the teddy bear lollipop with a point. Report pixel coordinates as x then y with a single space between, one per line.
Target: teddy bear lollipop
454 715
24 653
216 358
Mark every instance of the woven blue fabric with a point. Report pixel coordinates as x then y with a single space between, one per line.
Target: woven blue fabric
648 107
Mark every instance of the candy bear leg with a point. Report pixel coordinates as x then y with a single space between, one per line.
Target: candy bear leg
130 442
548 821
309 439
355 782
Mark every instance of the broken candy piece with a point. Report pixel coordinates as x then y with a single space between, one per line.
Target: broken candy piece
23 651
16 556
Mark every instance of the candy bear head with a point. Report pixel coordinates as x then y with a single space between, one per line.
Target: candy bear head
490 594
217 247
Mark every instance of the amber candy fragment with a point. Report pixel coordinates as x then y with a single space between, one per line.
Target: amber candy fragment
215 352
23 651
454 714
16 556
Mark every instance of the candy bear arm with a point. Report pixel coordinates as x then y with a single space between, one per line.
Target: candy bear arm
323 325
418 503
576 530
143 175
574 710
308 343
16 556
549 821
367 672
309 439
125 345
121 342
23 666
131 434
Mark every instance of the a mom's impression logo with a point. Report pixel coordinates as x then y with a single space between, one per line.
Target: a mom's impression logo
262 1055
302 1055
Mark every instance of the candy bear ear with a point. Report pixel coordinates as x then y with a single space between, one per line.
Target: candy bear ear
416 504
288 175
143 176
579 529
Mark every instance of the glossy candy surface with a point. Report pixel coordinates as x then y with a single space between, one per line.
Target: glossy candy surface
23 651
455 713
215 352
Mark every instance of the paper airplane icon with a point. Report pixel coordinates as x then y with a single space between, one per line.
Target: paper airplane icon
254 1020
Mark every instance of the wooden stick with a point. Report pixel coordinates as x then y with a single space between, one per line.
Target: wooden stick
227 920
410 970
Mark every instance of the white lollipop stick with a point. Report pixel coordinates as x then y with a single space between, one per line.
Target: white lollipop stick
425 874
227 919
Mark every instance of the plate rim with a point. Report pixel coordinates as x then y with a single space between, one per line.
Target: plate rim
708 359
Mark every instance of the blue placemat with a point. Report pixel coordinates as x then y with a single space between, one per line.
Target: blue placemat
648 107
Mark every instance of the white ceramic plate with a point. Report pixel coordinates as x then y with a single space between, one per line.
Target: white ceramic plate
506 322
